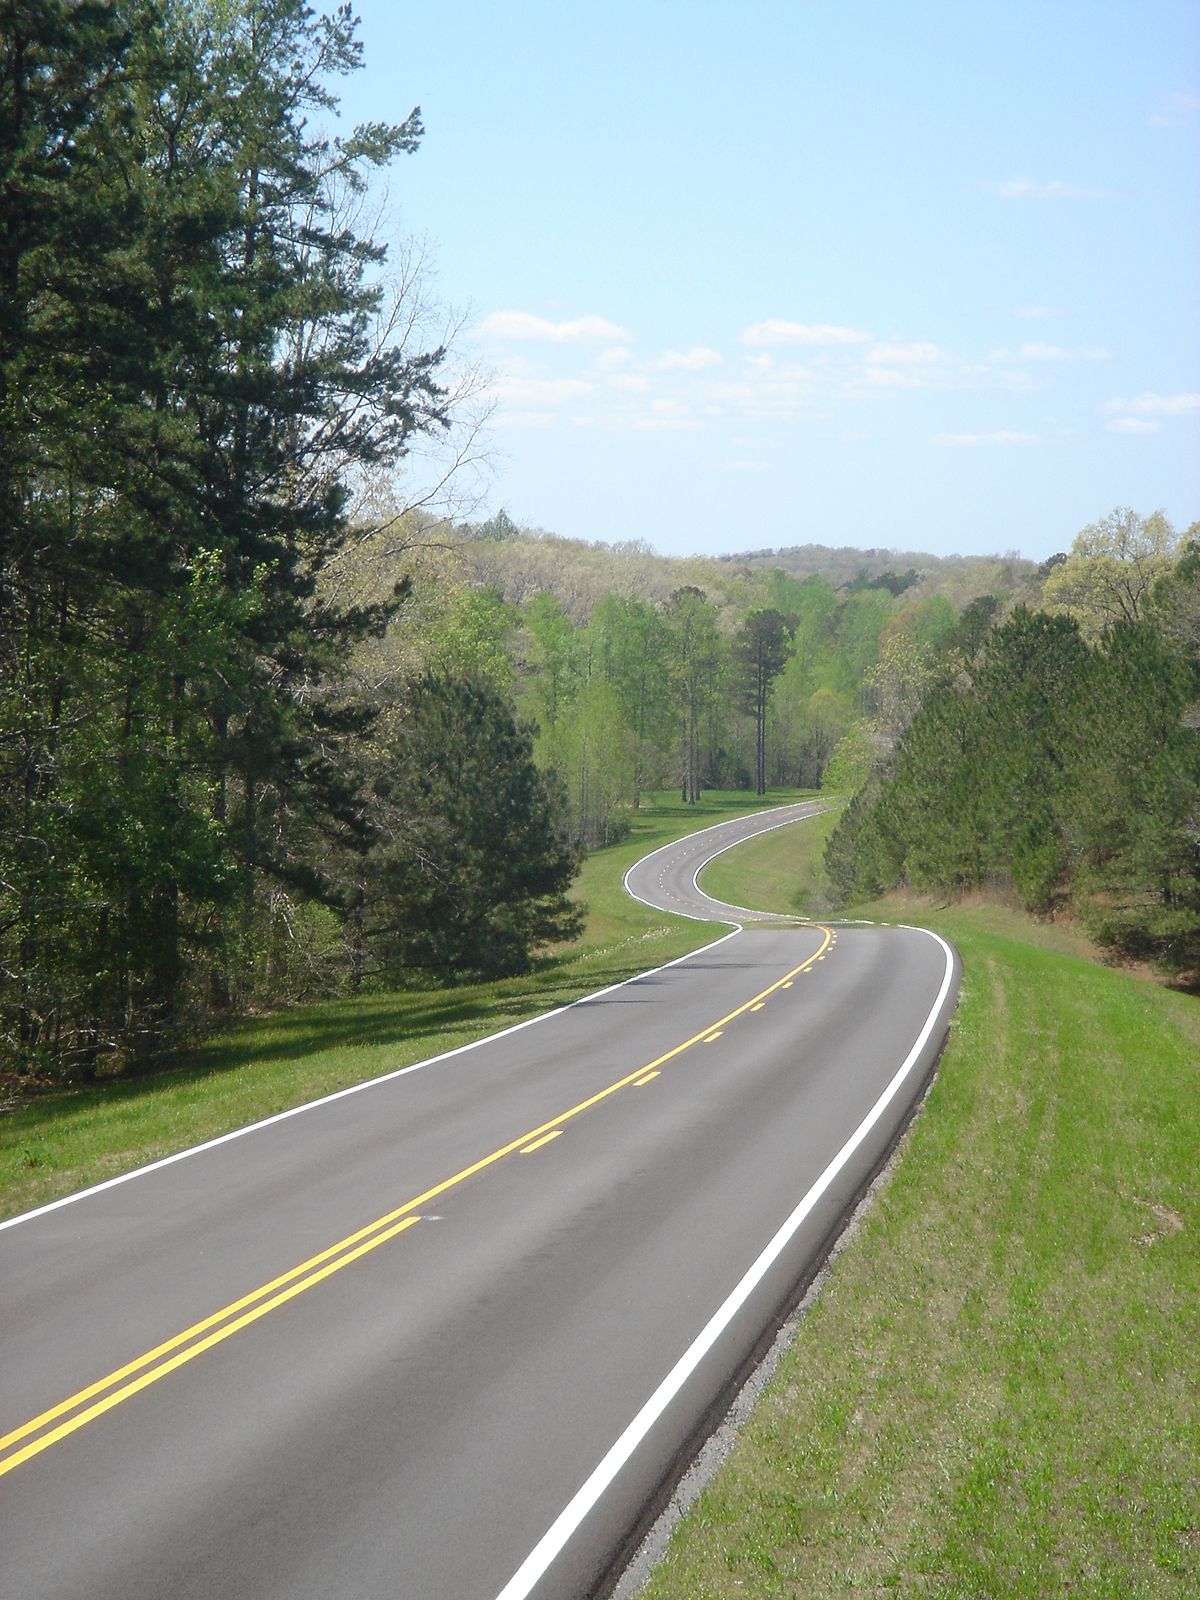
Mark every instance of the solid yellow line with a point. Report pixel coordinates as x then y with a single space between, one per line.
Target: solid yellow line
184 1356
538 1143
530 1139
190 1333
649 1076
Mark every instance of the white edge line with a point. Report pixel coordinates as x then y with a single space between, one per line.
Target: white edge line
771 827
692 916
372 1083
531 1570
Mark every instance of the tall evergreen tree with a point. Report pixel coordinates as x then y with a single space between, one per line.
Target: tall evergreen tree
760 649
469 871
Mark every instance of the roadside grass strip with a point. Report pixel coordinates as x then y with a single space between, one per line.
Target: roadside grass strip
996 1392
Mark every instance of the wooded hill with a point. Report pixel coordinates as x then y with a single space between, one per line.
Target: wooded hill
640 671
519 561
264 734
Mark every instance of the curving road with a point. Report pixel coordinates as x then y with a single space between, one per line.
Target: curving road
667 878
449 1334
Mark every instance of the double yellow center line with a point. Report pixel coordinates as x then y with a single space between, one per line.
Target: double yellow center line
85 1406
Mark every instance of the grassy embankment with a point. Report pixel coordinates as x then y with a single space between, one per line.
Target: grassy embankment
63 1141
995 1394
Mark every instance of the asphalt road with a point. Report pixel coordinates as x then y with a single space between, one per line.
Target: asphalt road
447 1336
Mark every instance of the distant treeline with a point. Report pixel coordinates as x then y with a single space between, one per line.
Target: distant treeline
640 673
1056 753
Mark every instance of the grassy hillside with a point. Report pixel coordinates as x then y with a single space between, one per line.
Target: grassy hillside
995 1395
62 1141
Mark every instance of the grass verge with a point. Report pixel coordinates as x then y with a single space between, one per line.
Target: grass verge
58 1142
779 871
995 1394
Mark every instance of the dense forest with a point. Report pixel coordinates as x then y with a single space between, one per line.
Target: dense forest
1055 753
203 361
270 728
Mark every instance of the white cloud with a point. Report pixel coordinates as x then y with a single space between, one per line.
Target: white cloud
1055 352
1176 111
524 325
526 419
1033 351
693 360
893 378
774 331
629 382
1047 189
541 392
963 440
613 360
910 354
1158 405
1134 425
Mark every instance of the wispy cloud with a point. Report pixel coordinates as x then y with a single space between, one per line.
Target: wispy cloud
1176 111
524 325
1157 405
966 440
541 393
1033 351
777 332
892 378
1047 189
900 353
1134 425
694 360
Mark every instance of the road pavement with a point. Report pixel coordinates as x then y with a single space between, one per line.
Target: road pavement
451 1335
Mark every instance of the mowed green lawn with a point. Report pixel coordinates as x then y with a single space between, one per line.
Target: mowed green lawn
996 1393
60 1142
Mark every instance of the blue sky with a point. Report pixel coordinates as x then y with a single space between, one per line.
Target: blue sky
908 273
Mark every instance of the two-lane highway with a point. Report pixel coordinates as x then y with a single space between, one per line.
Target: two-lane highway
448 1334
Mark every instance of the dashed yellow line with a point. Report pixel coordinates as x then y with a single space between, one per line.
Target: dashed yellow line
193 1341
528 1149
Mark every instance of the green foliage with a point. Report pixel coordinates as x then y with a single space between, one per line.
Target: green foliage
469 871
629 644
697 657
851 763
190 372
472 640
1068 772
1112 567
